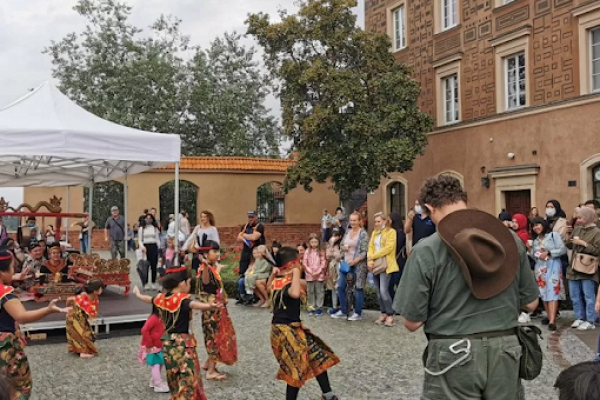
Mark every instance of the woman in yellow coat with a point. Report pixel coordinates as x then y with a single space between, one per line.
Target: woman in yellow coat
381 261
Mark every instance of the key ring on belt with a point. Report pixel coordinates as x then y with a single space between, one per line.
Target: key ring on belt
454 350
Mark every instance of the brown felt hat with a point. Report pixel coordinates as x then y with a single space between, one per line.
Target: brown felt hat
484 249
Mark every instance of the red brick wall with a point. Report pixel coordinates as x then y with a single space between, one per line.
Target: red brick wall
286 234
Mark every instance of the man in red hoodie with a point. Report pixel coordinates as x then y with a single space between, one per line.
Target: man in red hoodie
520 227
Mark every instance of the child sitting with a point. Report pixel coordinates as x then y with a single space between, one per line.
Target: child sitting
257 275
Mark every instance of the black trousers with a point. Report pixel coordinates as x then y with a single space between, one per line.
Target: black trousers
152 256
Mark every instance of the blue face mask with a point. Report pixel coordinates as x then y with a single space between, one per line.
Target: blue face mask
30 224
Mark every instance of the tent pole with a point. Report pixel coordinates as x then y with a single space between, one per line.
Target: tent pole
66 219
176 239
90 223
125 195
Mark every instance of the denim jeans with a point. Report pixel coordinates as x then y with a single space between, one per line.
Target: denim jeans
84 243
242 287
324 235
583 295
382 287
359 295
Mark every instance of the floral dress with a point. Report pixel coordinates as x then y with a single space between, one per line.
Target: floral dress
548 273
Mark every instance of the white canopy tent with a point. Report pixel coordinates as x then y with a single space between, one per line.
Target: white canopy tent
48 140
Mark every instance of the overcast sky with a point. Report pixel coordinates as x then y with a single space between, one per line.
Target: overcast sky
27 26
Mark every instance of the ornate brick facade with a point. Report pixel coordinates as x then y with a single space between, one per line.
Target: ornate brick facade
552 63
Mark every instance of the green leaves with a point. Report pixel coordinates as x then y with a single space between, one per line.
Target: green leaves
214 98
350 110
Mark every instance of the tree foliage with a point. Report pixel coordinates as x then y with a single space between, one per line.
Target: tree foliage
350 110
106 195
214 98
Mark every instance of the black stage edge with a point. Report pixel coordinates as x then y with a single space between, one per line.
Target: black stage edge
119 315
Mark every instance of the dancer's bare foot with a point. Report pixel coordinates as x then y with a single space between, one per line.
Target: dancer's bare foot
86 355
216 376
266 305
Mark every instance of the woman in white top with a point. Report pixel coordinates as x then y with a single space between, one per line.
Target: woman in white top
148 237
206 227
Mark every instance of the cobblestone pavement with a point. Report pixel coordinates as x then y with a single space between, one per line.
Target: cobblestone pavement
377 363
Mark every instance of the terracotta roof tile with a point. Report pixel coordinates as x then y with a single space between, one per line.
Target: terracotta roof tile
232 164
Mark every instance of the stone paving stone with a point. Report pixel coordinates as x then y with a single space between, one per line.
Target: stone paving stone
378 363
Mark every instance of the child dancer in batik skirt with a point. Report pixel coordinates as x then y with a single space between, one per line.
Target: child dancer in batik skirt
80 335
13 360
219 335
301 355
179 345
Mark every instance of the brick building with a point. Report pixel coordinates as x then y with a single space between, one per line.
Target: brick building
514 88
228 187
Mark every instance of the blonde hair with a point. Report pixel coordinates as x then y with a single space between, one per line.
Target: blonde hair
387 220
314 236
359 216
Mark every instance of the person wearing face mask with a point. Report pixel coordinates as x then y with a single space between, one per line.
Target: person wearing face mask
556 218
419 224
585 239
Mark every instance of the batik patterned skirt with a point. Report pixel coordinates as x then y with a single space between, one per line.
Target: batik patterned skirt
219 334
14 365
80 335
182 366
301 355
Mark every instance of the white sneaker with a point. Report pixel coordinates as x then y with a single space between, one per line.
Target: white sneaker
355 317
524 318
161 389
586 326
577 323
147 286
339 315
151 383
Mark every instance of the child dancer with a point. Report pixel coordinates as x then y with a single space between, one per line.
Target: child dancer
13 360
179 345
80 335
151 348
219 335
301 354
315 266
334 255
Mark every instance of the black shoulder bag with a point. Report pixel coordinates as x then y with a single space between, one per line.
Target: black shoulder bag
531 357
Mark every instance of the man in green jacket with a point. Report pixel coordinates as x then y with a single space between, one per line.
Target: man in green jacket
466 285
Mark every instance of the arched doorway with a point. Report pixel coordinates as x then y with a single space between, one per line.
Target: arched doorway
106 195
396 198
188 200
270 203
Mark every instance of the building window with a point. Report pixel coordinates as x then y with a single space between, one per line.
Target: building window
508 1
451 108
595 57
515 81
449 13
596 180
270 203
397 200
399 28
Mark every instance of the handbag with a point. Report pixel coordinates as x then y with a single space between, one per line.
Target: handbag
142 269
379 265
585 264
532 358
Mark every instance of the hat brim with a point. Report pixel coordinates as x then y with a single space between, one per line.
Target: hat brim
495 283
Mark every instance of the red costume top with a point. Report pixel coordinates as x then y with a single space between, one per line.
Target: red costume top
89 306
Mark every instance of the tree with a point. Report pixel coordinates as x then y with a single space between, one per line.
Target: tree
106 195
160 83
228 94
350 110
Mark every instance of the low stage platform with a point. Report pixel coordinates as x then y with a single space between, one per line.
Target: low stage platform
115 310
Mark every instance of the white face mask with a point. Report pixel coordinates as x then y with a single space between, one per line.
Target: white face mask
418 209
550 212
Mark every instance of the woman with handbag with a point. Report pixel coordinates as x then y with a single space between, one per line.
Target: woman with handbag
546 250
354 256
583 271
381 261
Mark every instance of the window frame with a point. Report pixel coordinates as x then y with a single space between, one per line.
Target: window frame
506 59
454 99
401 30
452 16
591 58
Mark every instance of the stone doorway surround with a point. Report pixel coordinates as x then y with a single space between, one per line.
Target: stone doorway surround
517 177
585 177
